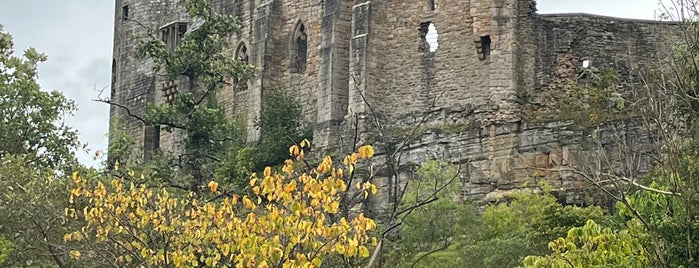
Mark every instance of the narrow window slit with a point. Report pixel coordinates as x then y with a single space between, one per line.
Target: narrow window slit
483 47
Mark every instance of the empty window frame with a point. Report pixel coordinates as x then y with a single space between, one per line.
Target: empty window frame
586 63
173 34
151 141
114 79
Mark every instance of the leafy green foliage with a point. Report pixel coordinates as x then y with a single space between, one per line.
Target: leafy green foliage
432 234
593 246
31 119
595 98
200 65
511 231
36 151
669 217
6 249
280 125
202 56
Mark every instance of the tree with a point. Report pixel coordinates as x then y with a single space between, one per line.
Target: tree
434 234
523 226
36 150
593 246
31 119
289 220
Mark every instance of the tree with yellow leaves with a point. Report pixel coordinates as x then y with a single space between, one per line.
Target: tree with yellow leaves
284 222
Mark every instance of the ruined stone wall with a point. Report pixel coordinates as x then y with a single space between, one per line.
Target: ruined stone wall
631 47
408 76
370 58
498 156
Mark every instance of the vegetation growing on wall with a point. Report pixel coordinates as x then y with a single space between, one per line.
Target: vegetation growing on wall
594 99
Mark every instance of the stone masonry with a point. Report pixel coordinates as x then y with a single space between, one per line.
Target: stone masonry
359 59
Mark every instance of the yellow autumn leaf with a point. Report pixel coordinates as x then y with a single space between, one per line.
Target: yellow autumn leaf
213 186
293 150
74 254
363 252
366 151
305 143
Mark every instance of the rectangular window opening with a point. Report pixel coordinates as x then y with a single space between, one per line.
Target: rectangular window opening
484 50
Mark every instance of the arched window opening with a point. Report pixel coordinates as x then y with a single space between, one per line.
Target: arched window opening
299 49
241 54
429 37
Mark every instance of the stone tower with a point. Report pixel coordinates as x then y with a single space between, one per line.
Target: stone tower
454 67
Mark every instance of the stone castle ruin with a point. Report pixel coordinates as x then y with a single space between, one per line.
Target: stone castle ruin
459 67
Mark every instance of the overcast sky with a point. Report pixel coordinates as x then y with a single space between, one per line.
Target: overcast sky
77 37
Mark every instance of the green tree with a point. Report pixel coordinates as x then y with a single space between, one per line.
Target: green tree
659 208
523 226
432 235
36 152
593 246
31 119
279 125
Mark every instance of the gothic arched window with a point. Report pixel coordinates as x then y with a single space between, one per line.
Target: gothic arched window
241 54
299 49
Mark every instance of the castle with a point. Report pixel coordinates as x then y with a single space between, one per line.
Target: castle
360 59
